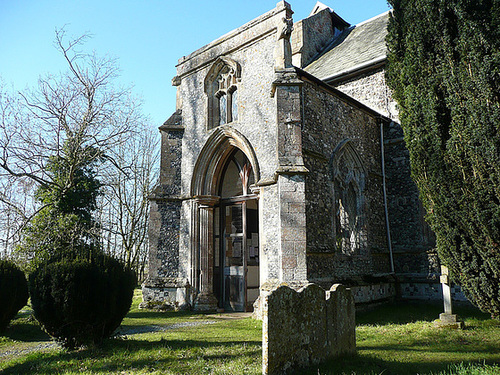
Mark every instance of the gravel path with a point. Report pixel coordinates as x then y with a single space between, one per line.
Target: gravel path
155 328
40 347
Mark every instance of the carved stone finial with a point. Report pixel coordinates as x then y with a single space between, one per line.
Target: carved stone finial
283 51
286 29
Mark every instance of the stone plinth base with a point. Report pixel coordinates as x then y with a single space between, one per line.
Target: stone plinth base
372 293
449 321
205 302
168 293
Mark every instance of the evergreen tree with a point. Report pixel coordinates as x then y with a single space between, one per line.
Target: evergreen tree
64 225
444 70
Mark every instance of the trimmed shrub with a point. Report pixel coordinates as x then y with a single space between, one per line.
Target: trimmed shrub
81 301
13 292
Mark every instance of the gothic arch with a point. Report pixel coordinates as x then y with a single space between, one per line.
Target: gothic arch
213 156
345 150
348 174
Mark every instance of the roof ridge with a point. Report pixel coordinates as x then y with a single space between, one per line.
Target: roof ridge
373 18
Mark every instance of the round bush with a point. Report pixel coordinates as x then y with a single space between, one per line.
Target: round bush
13 292
80 301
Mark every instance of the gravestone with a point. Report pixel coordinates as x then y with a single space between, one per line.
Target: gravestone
447 319
305 327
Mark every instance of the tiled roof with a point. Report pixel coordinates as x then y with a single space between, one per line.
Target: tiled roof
355 47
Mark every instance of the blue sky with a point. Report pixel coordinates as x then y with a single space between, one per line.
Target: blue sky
146 36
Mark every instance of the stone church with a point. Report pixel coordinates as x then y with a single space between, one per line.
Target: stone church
284 163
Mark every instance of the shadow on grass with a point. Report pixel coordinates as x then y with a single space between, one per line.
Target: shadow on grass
413 311
444 348
26 330
196 355
125 355
364 365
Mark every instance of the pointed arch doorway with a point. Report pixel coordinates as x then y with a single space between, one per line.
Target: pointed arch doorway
225 223
236 237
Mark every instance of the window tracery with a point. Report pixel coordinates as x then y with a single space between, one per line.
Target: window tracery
221 86
348 185
347 218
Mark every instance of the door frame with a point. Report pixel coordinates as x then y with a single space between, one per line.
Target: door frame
223 203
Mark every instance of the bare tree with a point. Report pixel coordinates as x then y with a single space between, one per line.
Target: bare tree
82 118
16 193
81 107
16 208
125 207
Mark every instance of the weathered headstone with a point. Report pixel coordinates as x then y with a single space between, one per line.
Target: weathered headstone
341 319
305 327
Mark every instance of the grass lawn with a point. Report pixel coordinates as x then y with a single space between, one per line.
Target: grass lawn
391 339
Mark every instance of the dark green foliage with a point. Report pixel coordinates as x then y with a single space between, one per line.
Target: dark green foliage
64 224
81 300
13 292
444 69
75 189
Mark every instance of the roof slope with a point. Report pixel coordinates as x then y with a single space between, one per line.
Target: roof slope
354 48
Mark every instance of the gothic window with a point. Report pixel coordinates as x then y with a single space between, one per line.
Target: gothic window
234 104
347 218
223 115
221 86
348 184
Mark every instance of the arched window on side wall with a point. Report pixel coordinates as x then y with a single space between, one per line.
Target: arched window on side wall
348 185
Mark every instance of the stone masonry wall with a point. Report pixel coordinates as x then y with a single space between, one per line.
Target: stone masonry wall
170 171
305 327
293 229
329 121
269 239
252 47
165 221
310 36
168 240
412 240
371 90
163 282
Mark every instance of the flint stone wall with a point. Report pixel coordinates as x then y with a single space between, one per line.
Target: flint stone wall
412 238
371 89
328 121
305 327
252 47
428 290
310 36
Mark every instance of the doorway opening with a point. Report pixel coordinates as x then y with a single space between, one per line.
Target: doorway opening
236 237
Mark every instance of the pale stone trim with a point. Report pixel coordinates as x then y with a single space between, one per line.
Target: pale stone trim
210 162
